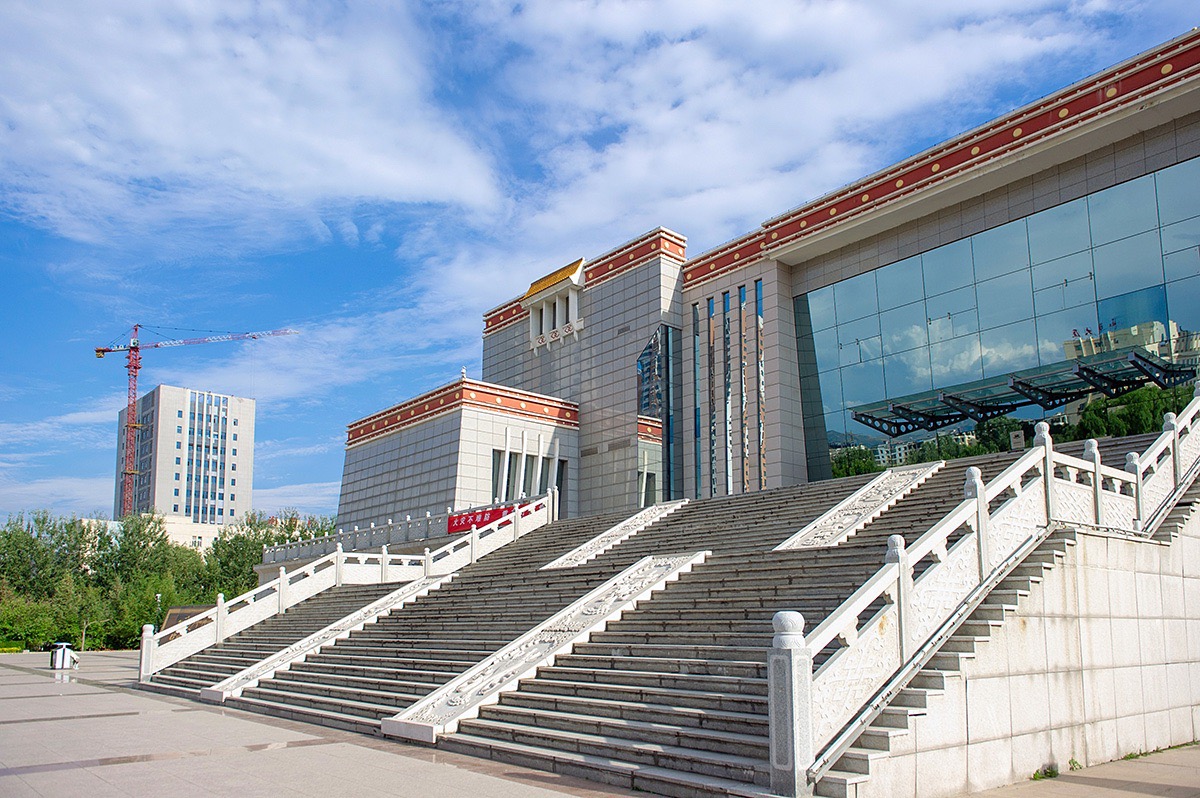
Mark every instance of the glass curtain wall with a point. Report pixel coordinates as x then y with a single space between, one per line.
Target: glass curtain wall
1116 269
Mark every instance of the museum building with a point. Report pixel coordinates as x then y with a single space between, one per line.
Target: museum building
1048 256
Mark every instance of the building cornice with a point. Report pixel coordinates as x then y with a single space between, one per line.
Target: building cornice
461 394
659 242
1094 101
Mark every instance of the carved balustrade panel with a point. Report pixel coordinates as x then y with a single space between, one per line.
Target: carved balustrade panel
1118 510
1158 486
854 512
853 674
1015 522
939 591
614 536
1074 503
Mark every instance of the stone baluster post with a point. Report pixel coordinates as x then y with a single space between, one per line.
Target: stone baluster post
428 562
1091 453
281 590
1042 438
896 553
789 706
146 655
1133 465
1172 426
339 559
221 614
516 524
474 542
383 564
973 488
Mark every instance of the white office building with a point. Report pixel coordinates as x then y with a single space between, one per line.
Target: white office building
195 456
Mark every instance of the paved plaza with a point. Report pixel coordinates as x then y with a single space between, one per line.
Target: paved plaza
88 732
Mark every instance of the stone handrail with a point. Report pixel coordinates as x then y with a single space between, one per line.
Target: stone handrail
459 699
815 716
390 533
165 648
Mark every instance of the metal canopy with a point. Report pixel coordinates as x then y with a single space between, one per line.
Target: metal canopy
1049 387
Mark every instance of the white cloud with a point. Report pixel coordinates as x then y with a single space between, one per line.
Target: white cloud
83 496
93 427
317 498
124 117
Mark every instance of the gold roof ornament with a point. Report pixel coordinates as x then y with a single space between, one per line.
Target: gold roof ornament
553 278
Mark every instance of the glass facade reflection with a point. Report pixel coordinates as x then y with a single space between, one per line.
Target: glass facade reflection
1116 269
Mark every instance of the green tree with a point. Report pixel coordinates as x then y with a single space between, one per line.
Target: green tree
31 621
993 434
26 562
140 547
853 460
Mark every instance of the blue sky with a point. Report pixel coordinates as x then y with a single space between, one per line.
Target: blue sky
377 175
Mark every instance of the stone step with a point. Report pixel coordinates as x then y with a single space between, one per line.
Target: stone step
383 672
322 717
840 784
753 670
690 717
357 708
650 695
384 694
880 738
623 648
337 659
741 744
626 775
675 681
858 759
730 766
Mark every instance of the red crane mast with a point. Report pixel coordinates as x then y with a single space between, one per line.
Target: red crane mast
133 364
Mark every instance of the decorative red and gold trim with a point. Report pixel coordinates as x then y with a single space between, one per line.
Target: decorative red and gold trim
641 250
649 429
465 393
1107 93
506 314
637 252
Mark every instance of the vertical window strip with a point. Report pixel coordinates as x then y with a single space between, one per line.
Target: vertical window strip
712 399
728 363
761 386
745 426
696 394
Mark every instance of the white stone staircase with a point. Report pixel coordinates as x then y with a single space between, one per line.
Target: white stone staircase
851 774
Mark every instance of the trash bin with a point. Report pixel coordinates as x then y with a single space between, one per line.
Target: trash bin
62 657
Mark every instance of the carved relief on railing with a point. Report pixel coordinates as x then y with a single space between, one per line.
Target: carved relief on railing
1157 486
1007 519
942 588
440 711
618 534
858 509
1074 503
848 678
1016 522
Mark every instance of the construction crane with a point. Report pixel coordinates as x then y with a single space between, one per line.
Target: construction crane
133 364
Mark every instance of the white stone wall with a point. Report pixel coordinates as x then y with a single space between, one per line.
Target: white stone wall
1101 660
